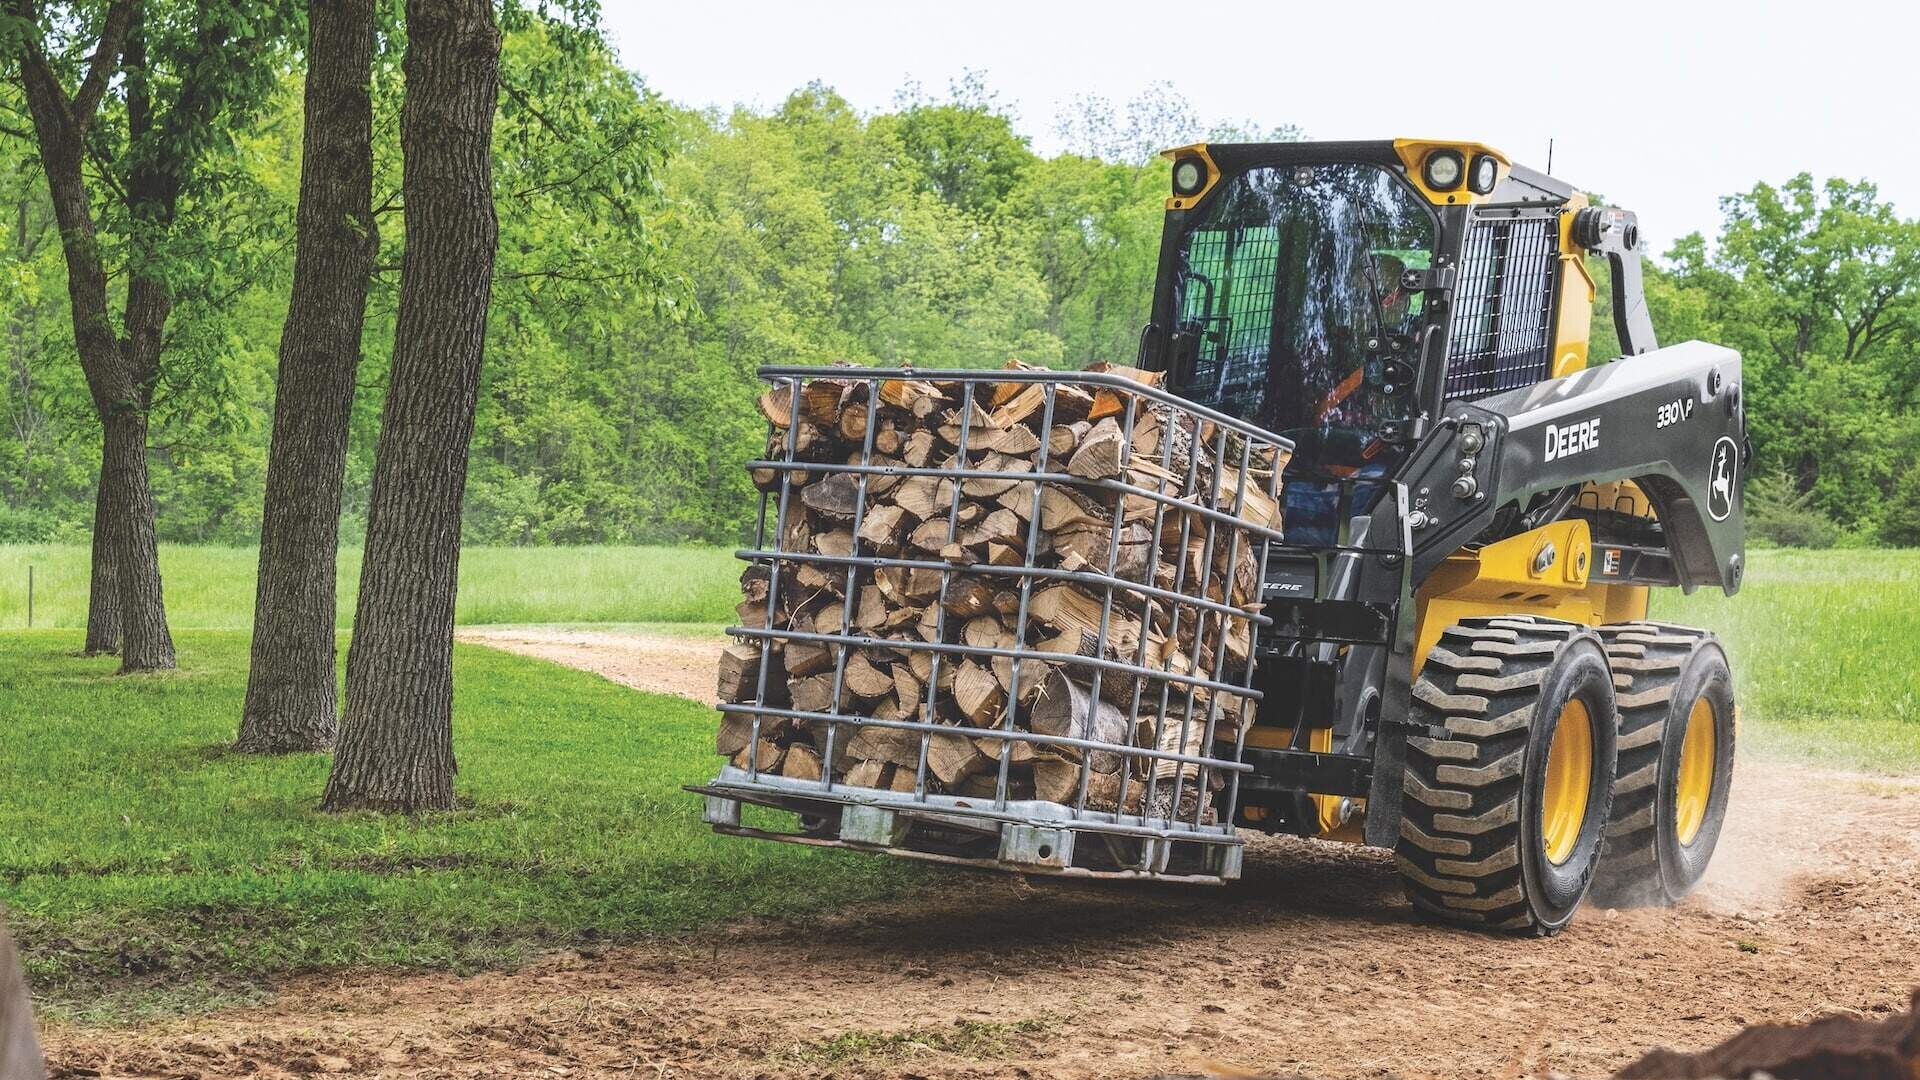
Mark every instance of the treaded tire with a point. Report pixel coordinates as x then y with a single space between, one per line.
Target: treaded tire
1471 848
1659 671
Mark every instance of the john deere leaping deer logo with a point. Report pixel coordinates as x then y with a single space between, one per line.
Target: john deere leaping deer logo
1720 479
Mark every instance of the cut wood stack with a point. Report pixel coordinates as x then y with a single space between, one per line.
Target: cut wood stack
964 526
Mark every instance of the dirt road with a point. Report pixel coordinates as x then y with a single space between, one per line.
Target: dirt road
1311 965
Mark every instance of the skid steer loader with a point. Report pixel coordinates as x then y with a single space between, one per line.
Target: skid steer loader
1451 655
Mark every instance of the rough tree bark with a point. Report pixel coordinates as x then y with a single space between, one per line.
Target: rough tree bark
103 588
396 740
19 1049
119 372
290 703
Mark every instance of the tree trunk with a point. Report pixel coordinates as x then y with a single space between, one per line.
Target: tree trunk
145 643
290 702
119 381
103 590
19 1049
396 742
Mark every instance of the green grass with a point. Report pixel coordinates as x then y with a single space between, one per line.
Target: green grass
148 870
212 587
144 866
1826 654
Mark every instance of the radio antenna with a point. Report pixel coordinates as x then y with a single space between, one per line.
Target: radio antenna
1549 157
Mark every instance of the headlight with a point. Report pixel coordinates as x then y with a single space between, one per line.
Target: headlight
1485 173
1442 170
1189 176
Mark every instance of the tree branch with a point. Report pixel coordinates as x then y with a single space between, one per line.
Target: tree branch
113 34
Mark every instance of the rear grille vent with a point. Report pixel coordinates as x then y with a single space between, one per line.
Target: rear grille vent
1502 336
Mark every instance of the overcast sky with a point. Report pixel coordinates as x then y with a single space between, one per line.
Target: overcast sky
1662 107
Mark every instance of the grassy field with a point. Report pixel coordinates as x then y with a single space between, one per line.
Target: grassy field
1826 651
212 587
148 869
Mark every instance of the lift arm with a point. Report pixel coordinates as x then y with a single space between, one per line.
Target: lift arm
1670 420
1615 233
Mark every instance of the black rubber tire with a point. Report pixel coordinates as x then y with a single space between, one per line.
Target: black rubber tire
1470 850
1659 671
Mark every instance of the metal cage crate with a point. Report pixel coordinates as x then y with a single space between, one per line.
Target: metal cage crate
1171 652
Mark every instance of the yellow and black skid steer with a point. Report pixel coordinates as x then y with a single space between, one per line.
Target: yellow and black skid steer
1454 658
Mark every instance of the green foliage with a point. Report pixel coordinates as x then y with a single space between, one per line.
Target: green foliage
211 587
1778 514
137 853
1818 286
1901 524
652 258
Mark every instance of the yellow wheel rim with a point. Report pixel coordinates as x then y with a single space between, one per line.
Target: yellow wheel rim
1563 803
1696 773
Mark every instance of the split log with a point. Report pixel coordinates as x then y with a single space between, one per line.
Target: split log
929 535
767 756
907 688
911 395
739 672
1063 508
924 497
982 487
801 762
966 596
999 527
817 580
869 774
1071 609
953 758
1017 441
736 731
853 423
977 693
777 406
881 527
894 745
870 611
917 449
1068 709
865 679
834 496
815 693
974 425
1069 403
1057 779
804 658
1092 546
1098 455
1017 751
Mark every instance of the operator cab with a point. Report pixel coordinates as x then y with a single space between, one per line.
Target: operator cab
1294 293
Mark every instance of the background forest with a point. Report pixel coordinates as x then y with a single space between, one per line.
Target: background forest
651 257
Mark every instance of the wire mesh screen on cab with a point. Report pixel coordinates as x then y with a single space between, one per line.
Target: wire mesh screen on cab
1244 262
1502 336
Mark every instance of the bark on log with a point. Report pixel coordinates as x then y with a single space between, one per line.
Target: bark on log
1067 708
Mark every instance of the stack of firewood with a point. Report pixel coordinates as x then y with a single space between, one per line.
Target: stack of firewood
967 524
